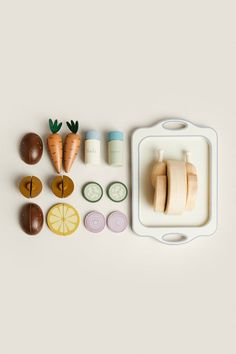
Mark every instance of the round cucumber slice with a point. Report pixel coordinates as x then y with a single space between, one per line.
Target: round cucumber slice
117 192
92 192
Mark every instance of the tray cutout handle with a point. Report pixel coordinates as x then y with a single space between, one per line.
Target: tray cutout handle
174 124
174 238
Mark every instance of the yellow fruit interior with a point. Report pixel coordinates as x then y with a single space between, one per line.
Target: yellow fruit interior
63 219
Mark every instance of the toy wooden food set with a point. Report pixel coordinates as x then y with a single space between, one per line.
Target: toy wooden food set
174 181
64 219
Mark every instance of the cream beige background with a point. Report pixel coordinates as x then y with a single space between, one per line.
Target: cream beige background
115 65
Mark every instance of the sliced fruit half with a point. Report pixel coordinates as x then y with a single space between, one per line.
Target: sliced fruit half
63 219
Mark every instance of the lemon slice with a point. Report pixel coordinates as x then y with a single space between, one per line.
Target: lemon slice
63 219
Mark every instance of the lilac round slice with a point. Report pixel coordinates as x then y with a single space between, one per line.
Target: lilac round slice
117 221
94 221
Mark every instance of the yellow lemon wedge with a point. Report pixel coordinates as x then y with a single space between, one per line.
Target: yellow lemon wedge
63 219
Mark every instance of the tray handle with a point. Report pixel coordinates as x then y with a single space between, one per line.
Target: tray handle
175 124
175 238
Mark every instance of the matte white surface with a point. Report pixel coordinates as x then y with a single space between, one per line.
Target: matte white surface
115 65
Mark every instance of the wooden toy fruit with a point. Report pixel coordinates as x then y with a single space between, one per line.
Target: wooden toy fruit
31 218
31 148
72 145
54 143
30 186
62 186
63 219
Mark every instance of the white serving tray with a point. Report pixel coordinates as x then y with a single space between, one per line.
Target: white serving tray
174 136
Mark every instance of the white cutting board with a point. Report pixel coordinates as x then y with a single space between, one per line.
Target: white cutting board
175 137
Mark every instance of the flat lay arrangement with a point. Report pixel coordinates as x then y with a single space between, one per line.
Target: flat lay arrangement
63 219
174 181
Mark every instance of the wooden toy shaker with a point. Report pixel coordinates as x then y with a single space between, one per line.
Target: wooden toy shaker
92 147
115 148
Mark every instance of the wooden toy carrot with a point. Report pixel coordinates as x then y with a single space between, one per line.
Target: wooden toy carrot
54 142
72 145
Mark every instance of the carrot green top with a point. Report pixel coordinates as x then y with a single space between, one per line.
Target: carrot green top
54 126
73 126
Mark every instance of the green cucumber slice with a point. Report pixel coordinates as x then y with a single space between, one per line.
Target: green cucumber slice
117 192
92 192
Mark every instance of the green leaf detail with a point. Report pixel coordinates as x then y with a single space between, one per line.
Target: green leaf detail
54 126
51 124
73 126
59 126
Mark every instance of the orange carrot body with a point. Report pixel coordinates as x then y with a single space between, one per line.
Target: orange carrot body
71 149
54 142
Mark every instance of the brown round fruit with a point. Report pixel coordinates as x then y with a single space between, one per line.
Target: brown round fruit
31 219
62 186
31 148
30 186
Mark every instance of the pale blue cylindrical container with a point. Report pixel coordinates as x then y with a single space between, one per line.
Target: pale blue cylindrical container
115 148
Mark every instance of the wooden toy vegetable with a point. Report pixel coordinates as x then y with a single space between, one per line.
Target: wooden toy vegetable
159 183
54 142
117 192
192 184
94 221
117 221
175 184
72 145
31 219
31 148
92 192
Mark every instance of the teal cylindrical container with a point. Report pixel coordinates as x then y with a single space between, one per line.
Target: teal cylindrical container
115 148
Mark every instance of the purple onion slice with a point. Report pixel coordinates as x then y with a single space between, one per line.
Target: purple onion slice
117 221
94 221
